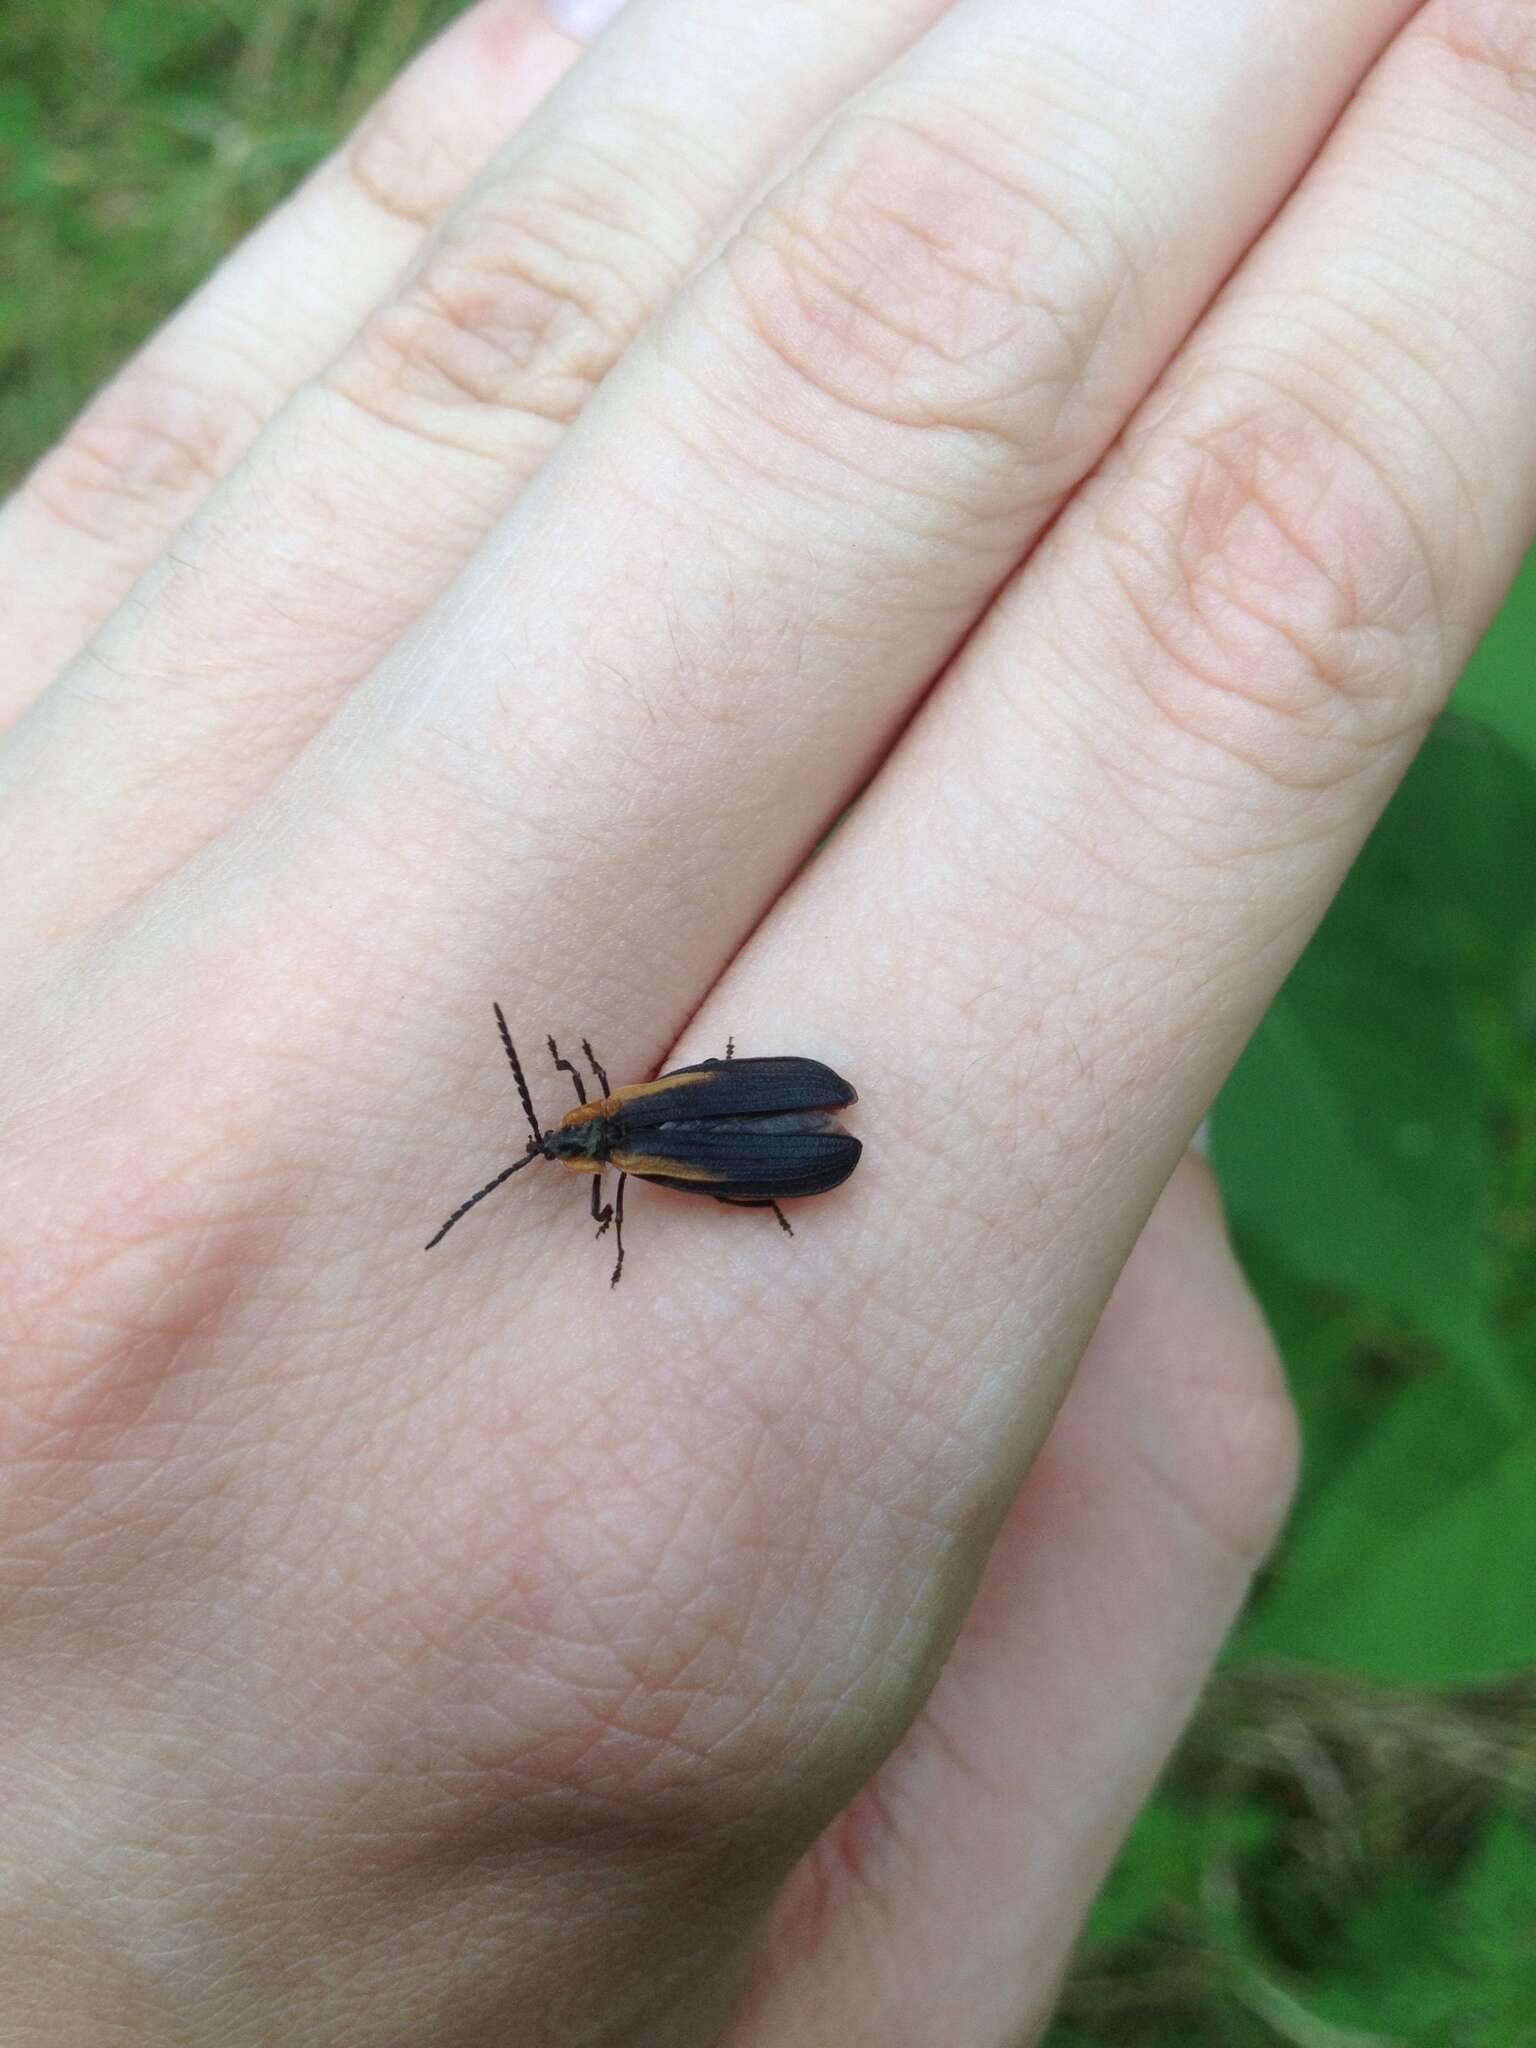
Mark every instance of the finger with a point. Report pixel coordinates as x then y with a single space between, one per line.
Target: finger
778 435
381 478
1151 768
943 1904
97 510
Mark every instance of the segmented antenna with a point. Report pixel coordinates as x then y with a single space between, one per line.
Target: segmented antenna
535 1143
489 1189
517 1075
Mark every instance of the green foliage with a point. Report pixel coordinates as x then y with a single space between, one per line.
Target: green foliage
1371 1141
1334 1863
1345 1854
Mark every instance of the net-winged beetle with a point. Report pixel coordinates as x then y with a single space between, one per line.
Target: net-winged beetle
753 1132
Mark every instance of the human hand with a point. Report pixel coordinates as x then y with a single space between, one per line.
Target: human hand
401 1649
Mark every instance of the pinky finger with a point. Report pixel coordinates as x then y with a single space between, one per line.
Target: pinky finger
96 511
944 1903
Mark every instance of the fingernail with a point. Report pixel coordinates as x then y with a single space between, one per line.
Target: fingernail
582 19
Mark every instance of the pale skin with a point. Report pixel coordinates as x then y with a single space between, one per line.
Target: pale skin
404 1648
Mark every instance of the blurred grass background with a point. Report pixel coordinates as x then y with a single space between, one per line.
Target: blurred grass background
1344 1855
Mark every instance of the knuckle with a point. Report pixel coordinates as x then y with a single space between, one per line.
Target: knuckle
524 312
1242 1443
1262 1457
1276 596
1236 1460
633 1601
1493 40
153 441
406 167
1206 1419
927 281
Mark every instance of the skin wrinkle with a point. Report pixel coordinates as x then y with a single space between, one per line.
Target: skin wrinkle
1165 643
1138 767
626 1564
1120 278
1400 123
1082 889
524 307
1174 587
407 168
1365 366
375 414
1456 242
384 187
115 1247
1022 1089
619 324
693 181
869 1510
1492 36
960 273
738 462
147 439
1082 115
325 412
788 323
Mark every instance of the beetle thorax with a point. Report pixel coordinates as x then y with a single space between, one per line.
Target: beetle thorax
577 1142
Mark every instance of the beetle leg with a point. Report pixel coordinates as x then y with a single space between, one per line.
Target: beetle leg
565 1067
618 1228
602 1078
730 1048
602 1212
758 1202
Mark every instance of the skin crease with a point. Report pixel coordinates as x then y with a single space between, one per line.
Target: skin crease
1096 454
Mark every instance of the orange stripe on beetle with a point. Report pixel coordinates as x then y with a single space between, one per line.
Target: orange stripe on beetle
611 1106
751 1132
685 1077
657 1166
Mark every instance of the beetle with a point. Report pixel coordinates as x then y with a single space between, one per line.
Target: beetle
753 1132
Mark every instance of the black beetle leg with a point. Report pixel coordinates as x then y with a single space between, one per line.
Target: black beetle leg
602 1078
565 1067
618 1229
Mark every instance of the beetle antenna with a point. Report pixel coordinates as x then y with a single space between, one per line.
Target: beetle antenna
489 1189
517 1075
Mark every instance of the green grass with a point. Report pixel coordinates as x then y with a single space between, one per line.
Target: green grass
1345 1852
